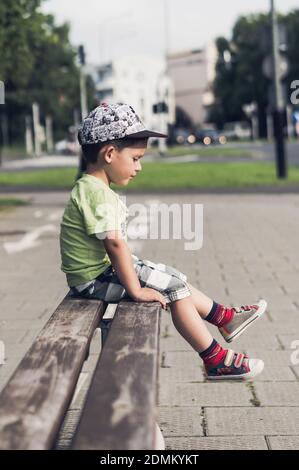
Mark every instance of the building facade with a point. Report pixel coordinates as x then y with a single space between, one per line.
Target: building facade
140 81
192 73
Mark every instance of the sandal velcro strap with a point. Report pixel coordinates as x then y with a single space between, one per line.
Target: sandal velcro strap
229 358
239 360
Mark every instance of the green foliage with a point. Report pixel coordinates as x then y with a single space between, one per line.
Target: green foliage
241 80
38 63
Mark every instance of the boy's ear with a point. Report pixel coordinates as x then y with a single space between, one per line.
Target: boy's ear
108 153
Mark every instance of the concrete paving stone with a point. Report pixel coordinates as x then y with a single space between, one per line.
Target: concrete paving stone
249 337
13 351
255 421
215 443
267 342
12 336
241 297
271 358
280 318
291 287
189 373
6 371
265 278
283 442
290 341
180 359
278 394
284 326
15 324
295 370
276 374
186 421
214 291
174 343
281 304
204 394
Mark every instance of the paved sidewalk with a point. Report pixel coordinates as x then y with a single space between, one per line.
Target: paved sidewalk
250 250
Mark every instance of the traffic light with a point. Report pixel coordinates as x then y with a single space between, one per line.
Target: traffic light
81 54
160 108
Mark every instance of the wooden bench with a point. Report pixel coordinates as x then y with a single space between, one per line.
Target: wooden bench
120 407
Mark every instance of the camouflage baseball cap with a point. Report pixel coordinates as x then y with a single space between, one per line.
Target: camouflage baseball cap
113 121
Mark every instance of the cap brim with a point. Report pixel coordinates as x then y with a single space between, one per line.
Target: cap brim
144 134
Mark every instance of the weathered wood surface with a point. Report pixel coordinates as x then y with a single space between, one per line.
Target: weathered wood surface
120 408
34 402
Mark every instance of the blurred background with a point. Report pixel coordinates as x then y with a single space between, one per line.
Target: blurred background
211 74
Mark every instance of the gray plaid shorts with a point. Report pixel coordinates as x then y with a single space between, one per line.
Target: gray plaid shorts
169 281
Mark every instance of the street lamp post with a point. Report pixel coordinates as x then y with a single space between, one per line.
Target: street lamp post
161 91
83 94
278 99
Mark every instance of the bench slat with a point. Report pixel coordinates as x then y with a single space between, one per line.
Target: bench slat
34 402
120 408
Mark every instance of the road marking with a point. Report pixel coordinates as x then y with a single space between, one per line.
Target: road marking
29 240
55 216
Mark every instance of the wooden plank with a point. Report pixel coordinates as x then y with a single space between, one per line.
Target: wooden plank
34 402
120 409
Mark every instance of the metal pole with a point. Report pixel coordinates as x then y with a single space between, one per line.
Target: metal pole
281 163
49 133
83 94
36 128
28 135
269 127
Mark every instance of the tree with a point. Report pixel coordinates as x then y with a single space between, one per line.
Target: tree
38 63
239 74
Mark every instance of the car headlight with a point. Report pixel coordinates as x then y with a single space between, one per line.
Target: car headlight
180 139
207 140
191 139
222 139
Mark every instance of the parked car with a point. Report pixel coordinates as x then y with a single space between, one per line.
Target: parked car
183 137
65 147
210 137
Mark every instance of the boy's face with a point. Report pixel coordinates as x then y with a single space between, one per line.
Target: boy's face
125 164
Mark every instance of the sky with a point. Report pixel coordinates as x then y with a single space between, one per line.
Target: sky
109 29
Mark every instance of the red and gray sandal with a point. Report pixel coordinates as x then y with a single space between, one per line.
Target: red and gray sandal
243 317
235 366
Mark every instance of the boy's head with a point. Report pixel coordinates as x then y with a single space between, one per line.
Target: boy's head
113 139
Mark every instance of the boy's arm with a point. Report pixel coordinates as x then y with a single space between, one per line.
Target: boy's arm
121 259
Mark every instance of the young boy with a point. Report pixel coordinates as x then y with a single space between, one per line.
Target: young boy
98 262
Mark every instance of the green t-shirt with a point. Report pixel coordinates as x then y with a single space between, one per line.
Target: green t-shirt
93 208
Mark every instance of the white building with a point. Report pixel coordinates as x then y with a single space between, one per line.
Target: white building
192 73
139 81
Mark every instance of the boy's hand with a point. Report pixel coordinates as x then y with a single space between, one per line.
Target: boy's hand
145 294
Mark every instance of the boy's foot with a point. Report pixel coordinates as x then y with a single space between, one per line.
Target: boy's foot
234 366
243 317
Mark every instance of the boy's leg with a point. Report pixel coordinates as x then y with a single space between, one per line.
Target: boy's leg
202 302
189 324
219 363
231 321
